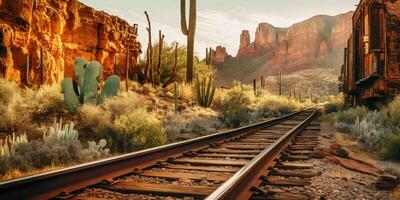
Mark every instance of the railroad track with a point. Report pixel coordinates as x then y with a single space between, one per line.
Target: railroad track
239 164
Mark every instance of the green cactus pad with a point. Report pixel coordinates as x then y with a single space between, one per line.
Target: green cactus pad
71 99
110 88
91 83
80 70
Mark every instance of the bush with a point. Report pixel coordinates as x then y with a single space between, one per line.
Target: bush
391 149
47 99
176 125
393 112
273 106
94 118
335 104
370 131
10 92
344 120
141 128
59 146
124 103
14 114
234 108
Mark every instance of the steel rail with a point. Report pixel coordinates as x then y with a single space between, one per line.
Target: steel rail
50 184
240 184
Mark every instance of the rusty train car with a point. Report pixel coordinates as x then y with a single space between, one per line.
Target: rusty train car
371 71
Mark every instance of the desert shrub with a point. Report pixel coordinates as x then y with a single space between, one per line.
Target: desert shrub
148 89
272 106
47 98
141 128
94 118
8 145
14 114
185 92
59 146
234 108
371 130
344 120
124 103
335 104
391 148
10 92
393 112
177 125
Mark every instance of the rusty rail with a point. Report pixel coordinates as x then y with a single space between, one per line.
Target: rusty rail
239 185
51 184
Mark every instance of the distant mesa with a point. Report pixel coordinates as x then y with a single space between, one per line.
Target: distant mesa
314 43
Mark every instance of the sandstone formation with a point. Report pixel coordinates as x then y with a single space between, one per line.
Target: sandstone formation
244 39
220 54
299 46
64 30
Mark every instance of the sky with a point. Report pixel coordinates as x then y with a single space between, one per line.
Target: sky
219 22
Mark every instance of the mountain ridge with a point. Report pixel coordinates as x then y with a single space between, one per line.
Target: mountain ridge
317 42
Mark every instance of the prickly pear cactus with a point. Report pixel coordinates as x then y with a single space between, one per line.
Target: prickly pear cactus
89 76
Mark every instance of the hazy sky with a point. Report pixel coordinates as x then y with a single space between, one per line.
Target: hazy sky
219 22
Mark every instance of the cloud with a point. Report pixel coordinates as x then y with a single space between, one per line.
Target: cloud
213 27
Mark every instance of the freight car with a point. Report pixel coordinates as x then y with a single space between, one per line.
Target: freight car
371 71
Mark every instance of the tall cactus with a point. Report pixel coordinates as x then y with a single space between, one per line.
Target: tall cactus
280 83
89 76
205 91
190 33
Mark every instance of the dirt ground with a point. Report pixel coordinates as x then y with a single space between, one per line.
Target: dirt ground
337 182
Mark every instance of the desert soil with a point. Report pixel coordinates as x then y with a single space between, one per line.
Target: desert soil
337 182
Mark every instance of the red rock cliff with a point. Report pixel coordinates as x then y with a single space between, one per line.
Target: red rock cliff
64 30
300 45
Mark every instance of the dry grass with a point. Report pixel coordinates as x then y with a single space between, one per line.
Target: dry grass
354 149
396 193
342 173
125 102
15 173
94 118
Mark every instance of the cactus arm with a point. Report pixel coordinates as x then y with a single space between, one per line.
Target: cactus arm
211 96
208 91
192 17
203 90
91 83
198 89
183 18
71 99
110 88
80 70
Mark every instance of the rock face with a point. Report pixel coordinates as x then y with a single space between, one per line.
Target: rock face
220 54
299 46
244 39
63 30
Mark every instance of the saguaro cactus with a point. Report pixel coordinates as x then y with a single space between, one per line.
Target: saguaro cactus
280 83
160 47
86 91
190 33
127 69
176 97
149 68
172 77
205 91
209 56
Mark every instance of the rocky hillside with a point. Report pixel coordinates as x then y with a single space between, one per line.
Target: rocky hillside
63 30
315 43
